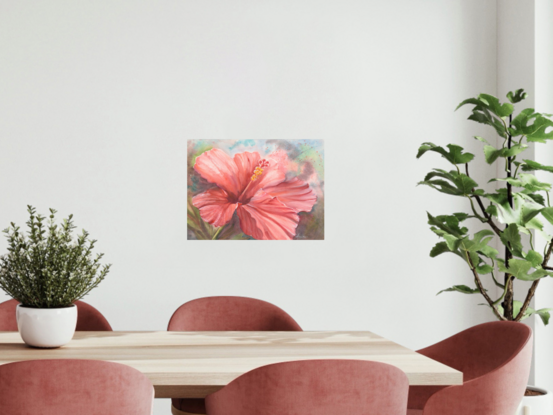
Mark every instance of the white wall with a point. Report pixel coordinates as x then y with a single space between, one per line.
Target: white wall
544 155
98 99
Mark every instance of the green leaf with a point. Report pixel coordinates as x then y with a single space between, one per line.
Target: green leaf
478 236
529 212
519 124
473 101
492 210
522 213
486 103
493 104
456 184
484 269
483 116
543 312
517 306
482 139
478 244
464 183
531 165
535 126
451 241
461 216
547 213
448 224
499 198
527 181
517 96
491 154
519 268
534 258
536 275
511 238
513 151
442 186
536 197
438 249
544 315
489 252
461 289
455 154
542 130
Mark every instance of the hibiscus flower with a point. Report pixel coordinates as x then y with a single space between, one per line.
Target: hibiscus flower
256 189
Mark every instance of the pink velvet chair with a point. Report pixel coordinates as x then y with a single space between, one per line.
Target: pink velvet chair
88 318
225 314
314 387
72 387
495 360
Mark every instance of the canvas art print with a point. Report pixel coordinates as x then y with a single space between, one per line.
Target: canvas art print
255 189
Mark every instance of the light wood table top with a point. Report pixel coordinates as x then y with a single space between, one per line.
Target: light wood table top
195 364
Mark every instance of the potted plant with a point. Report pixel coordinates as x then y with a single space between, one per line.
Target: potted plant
512 214
47 271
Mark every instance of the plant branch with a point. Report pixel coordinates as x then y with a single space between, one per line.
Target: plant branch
487 216
509 279
482 290
534 286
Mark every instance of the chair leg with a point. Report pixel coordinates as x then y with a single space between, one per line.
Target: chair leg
176 411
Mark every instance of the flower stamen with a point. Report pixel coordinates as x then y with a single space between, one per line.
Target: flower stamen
258 171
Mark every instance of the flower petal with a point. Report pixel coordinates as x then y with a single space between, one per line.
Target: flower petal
215 207
219 168
273 174
266 217
246 163
294 193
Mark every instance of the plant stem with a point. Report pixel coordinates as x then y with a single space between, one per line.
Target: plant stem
482 290
532 289
217 233
509 294
488 217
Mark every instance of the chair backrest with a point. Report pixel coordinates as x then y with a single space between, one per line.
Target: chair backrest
482 348
314 387
231 314
88 318
8 321
495 360
69 387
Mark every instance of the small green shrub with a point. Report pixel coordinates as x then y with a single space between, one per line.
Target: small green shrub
48 268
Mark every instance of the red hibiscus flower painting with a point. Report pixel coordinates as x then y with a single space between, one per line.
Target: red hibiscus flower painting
255 189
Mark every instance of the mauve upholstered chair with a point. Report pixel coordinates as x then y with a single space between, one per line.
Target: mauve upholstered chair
314 387
73 387
88 318
225 314
495 360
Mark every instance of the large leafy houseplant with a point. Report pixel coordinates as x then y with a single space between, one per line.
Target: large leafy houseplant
48 268
512 213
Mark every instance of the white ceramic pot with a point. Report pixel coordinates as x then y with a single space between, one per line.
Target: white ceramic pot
46 327
536 405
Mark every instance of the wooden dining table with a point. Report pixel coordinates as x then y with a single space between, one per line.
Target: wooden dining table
195 364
